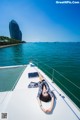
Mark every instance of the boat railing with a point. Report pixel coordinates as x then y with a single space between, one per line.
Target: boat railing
66 85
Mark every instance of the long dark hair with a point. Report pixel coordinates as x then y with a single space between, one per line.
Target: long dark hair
45 98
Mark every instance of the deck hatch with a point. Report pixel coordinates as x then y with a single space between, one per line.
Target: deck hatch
33 74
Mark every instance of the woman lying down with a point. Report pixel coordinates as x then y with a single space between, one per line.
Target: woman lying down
44 93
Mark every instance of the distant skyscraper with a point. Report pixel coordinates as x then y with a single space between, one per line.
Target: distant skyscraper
14 30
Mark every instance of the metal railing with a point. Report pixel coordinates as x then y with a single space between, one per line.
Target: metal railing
59 79
56 77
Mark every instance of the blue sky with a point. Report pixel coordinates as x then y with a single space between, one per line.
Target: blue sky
41 20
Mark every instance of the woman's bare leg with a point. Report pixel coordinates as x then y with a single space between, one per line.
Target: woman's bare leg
40 77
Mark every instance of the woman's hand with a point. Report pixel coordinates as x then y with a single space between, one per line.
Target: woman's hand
51 107
43 109
46 110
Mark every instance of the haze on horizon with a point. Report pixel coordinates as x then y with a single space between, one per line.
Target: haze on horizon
41 20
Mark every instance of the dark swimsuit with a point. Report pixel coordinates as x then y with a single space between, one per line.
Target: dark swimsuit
40 85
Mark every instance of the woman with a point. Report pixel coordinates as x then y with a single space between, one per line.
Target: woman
45 94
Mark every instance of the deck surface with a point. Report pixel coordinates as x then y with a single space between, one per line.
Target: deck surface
21 103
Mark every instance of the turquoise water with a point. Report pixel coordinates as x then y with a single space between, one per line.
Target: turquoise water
63 57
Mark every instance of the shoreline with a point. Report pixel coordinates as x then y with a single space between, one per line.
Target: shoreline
4 46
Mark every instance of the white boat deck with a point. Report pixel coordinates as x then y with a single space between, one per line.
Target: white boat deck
21 103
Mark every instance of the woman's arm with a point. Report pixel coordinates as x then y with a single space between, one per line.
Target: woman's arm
40 104
46 110
39 101
51 107
41 77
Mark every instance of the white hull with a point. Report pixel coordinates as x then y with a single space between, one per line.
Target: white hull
21 103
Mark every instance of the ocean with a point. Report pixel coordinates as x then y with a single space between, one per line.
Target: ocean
56 59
